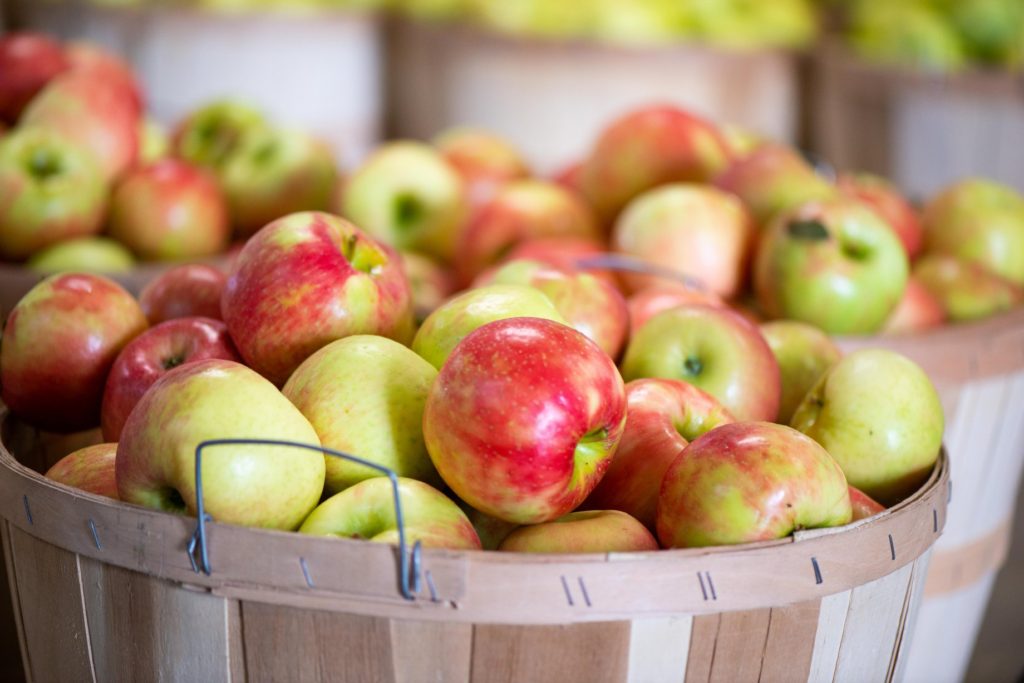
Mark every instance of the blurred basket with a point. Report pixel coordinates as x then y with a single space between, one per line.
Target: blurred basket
552 98
105 591
978 369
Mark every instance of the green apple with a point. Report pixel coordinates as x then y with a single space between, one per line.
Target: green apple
154 141
367 510
877 413
491 530
85 254
451 322
804 354
965 290
209 135
588 531
905 32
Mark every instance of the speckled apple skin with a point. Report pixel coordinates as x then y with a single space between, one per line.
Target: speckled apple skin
193 289
507 414
90 469
589 531
804 353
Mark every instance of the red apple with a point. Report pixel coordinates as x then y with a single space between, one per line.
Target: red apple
646 148
887 202
193 289
151 355
917 311
651 301
27 63
306 280
430 282
662 416
90 469
523 419
564 252
169 211
966 290
484 160
591 531
58 346
570 177
864 506
89 58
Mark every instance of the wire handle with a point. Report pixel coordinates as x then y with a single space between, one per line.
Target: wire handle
198 546
633 264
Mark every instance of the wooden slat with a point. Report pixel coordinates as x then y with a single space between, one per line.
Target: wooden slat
52 611
829 636
12 645
290 644
236 642
658 649
701 656
143 628
913 609
791 636
579 653
431 651
875 616
740 646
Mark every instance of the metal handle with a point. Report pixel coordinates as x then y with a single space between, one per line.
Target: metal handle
409 571
633 264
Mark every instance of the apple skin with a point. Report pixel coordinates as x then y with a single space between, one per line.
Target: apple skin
59 343
716 350
893 207
774 178
51 190
451 322
918 311
877 413
430 282
979 221
588 304
407 195
519 211
649 302
483 159
662 416
835 264
27 63
646 148
209 135
564 252
804 353
524 418
150 356
696 230
747 482
83 254
864 506
273 173
273 487
154 142
170 211
966 290
367 510
491 530
185 291
90 469
86 57
304 281
589 531
365 395
94 113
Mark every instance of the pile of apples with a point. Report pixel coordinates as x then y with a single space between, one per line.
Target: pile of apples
88 181
538 409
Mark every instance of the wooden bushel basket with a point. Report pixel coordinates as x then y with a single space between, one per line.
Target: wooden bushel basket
106 591
552 98
978 369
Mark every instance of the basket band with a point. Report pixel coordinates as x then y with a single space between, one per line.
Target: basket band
965 565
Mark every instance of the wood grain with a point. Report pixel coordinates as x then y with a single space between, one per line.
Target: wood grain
431 651
12 645
790 645
701 657
658 649
829 636
740 646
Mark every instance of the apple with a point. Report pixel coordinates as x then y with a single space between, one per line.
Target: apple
59 343
451 322
305 280
649 147
716 350
50 190
273 487
877 413
919 310
86 254
430 282
192 289
93 113
835 264
804 353
209 135
750 481
696 230
912 33
154 142
367 510
491 530
27 63
86 57
774 178
89 469
365 395
863 505
662 416
519 211
886 200
741 140
965 290
152 355
570 177
588 531
524 418
407 195
273 173
649 302
564 252
169 211
979 221
483 159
